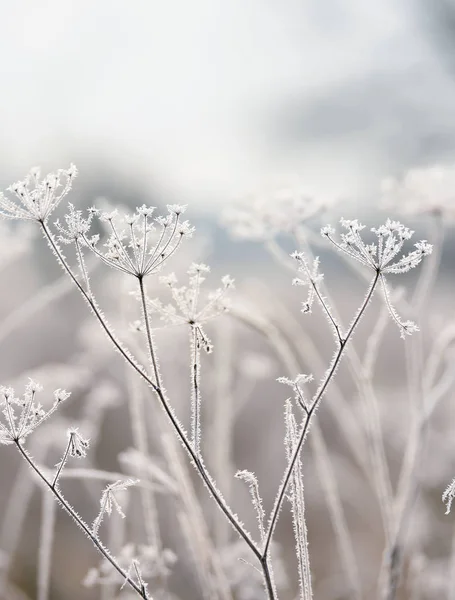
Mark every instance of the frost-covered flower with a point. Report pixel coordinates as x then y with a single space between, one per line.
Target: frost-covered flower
423 190
383 257
138 244
22 415
187 307
34 199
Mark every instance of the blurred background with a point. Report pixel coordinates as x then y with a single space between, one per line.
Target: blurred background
268 119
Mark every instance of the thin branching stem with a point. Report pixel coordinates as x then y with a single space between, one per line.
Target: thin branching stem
81 523
162 398
311 411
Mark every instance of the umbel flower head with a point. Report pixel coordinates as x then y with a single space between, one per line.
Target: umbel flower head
138 244
187 308
22 415
383 257
34 199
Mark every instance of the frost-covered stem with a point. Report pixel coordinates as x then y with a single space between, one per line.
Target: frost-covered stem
96 311
15 512
315 403
292 358
81 261
297 499
327 310
221 431
195 390
139 432
268 576
162 398
46 542
62 463
148 333
79 521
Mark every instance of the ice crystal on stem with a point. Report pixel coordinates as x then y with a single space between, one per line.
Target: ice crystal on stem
296 384
448 496
108 501
252 483
34 199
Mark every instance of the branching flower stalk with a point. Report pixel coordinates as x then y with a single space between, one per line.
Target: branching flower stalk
138 252
38 207
391 238
17 427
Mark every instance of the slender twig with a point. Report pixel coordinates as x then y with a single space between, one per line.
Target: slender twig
162 398
315 403
79 521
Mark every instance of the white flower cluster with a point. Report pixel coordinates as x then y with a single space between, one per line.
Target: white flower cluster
34 199
424 190
382 257
24 414
139 247
186 307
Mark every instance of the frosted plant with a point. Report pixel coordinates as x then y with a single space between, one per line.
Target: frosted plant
139 246
108 501
188 309
449 495
382 257
24 415
34 199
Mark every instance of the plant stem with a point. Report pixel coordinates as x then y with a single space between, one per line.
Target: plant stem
162 398
311 411
85 528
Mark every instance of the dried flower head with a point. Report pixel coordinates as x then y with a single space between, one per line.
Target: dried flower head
34 199
187 307
138 244
384 257
22 415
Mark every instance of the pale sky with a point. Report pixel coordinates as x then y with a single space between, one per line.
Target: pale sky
207 97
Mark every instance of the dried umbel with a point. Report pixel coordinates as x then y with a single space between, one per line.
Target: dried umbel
34 199
138 244
383 257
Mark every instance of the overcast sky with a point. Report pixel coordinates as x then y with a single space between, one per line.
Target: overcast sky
207 97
